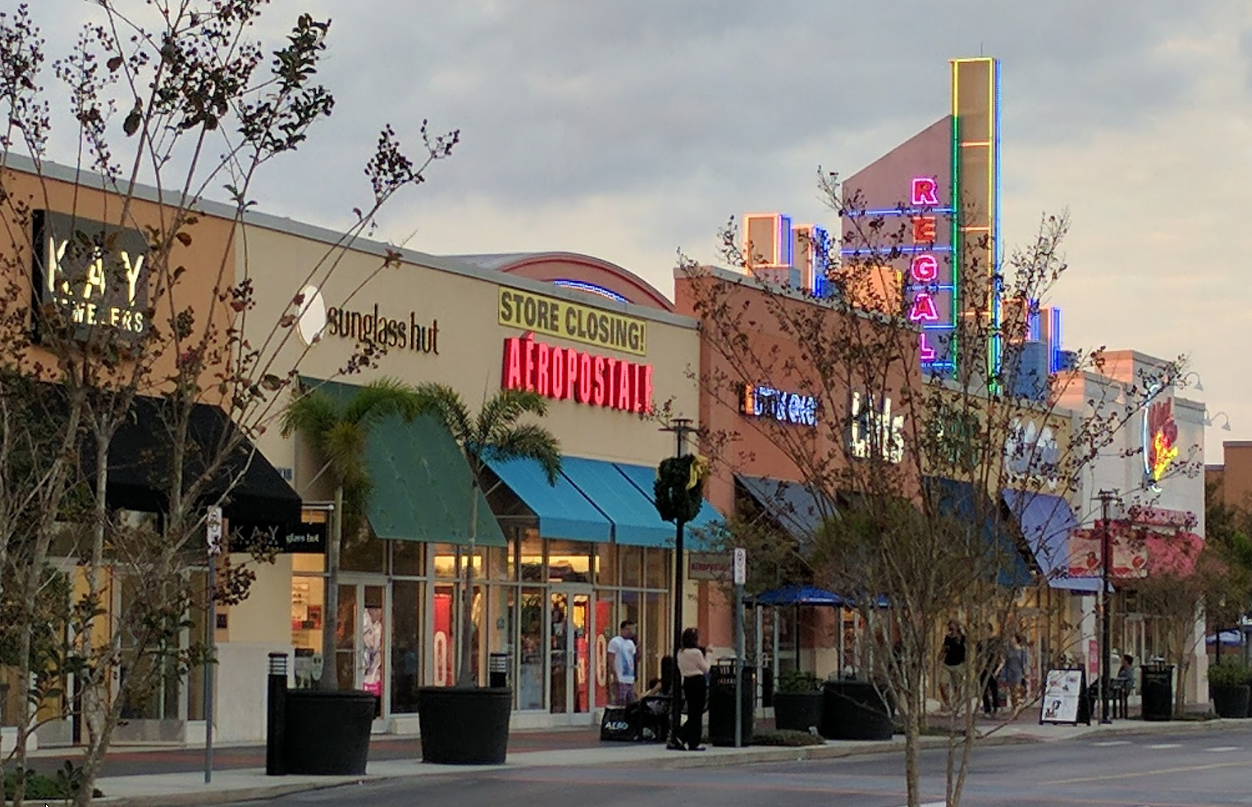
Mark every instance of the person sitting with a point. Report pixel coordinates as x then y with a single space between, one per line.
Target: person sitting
1126 673
650 714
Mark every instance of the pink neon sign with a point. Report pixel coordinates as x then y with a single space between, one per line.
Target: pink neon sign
925 192
923 309
924 269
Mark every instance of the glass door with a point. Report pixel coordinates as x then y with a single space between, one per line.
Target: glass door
571 630
361 639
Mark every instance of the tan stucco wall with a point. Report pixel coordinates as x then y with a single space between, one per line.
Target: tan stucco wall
470 344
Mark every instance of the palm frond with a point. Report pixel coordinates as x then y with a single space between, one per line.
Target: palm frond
377 399
444 404
527 441
343 446
503 410
312 414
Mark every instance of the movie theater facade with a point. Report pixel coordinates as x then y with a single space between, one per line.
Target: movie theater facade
556 567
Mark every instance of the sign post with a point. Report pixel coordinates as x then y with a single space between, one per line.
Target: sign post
741 577
213 537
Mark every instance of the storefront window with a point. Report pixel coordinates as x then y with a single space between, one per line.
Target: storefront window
406 644
569 562
532 558
499 564
655 632
503 630
632 566
345 637
308 596
530 679
478 615
407 559
606 565
606 629
362 552
657 569
444 646
450 557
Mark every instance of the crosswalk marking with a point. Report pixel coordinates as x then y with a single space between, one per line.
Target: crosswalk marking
1222 748
1107 743
1163 746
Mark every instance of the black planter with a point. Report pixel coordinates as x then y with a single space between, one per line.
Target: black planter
798 711
327 733
854 710
464 726
1230 701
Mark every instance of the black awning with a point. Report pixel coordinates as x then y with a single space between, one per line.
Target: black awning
139 467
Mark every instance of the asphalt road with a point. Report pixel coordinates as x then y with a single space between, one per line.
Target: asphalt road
1193 769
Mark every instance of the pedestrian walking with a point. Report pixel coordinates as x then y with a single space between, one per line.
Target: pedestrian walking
952 654
1016 663
990 660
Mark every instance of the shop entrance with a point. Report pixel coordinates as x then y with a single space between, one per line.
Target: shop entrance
570 629
361 638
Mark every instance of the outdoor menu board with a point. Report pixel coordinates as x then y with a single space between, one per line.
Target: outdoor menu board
1063 698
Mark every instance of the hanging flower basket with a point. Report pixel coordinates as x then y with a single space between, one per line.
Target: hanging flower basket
680 487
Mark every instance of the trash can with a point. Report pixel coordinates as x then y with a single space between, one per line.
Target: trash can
722 704
1157 686
498 670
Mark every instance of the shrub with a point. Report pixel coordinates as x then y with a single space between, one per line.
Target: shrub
786 737
41 787
796 681
1228 673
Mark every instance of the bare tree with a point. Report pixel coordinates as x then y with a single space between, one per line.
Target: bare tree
907 467
129 307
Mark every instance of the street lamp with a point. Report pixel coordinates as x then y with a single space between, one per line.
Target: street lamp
680 427
1185 377
1211 420
1107 498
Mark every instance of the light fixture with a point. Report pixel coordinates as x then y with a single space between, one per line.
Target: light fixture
1211 420
1182 380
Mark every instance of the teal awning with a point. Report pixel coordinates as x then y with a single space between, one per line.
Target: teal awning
635 520
421 481
644 480
562 509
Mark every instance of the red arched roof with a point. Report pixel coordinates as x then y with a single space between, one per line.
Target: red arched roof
581 273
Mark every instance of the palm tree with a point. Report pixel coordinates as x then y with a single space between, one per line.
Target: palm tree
338 431
495 434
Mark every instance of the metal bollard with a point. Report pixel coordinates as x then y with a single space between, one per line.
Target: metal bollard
275 717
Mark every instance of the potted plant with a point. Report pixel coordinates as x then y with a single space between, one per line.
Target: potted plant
328 729
466 724
1228 687
856 710
798 702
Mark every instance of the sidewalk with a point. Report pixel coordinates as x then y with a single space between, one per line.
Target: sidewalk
527 751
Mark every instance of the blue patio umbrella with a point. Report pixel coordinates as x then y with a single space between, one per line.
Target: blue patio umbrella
1230 638
799 595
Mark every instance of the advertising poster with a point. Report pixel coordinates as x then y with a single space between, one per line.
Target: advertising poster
601 629
372 651
442 660
1062 695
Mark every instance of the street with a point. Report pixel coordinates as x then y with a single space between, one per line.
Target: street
1182 769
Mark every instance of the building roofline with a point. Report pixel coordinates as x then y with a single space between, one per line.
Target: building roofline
14 161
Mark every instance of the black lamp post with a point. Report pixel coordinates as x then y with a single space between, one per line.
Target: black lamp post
1106 498
681 427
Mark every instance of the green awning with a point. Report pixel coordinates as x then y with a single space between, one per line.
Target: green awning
421 481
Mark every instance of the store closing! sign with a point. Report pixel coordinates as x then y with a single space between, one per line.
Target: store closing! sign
567 374
577 323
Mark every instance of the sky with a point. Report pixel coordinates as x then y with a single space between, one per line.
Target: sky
633 130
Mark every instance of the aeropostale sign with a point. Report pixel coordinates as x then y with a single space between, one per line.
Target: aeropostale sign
539 313
565 373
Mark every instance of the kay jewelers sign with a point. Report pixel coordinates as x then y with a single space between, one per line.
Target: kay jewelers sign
93 274
578 323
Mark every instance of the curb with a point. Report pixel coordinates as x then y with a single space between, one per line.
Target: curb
749 756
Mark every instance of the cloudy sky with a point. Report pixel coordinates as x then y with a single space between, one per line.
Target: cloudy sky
630 130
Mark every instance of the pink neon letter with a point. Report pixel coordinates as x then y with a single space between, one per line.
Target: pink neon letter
923 309
924 269
925 191
927 352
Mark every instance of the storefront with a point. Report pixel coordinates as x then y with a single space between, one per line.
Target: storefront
556 567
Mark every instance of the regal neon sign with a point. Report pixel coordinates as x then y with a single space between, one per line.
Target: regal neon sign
785 407
563 373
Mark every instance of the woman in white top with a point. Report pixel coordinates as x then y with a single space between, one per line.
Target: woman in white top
693 666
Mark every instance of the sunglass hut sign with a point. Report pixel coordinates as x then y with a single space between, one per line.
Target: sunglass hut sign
93 274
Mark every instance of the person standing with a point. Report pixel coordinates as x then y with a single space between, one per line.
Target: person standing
1016 663
693 668
990 660
952 654
621 652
